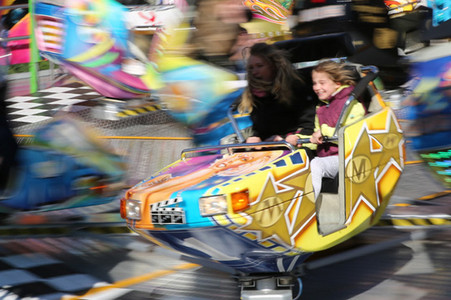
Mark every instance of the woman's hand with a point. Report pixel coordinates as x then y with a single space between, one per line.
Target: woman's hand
293 140
317 137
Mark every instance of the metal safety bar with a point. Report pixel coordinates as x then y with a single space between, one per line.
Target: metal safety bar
234 123
231 147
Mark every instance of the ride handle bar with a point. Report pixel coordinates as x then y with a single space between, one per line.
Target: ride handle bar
361 86
230 148
325 139
303 141
234 123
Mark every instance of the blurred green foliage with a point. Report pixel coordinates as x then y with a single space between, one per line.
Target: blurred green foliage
24 68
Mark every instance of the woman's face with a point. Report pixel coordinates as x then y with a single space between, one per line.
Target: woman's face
260 68
323 85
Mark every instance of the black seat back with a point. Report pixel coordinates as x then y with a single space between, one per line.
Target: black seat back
330 185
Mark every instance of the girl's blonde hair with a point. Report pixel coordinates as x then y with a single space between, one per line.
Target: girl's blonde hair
283 82
336 71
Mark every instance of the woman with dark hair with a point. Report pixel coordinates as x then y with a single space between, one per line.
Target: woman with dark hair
279 102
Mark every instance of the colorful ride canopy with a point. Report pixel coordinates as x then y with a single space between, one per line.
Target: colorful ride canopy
269 18
91 40
95 41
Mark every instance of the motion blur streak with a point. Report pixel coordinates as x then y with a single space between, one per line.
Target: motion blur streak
133 280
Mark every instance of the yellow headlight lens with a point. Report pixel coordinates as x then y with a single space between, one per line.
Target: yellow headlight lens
240 200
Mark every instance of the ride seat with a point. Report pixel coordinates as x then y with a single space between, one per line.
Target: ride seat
366 97
330 185
329 213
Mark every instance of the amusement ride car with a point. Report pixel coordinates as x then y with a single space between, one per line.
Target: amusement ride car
248 208
253 210
64 166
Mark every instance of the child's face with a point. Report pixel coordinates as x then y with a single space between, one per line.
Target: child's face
323 85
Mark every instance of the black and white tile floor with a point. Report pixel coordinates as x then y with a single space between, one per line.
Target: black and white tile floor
36 275
42 105
43 268
29 268
69 268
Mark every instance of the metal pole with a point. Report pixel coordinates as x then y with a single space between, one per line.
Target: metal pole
34 55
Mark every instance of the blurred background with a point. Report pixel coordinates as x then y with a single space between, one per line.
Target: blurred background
94 101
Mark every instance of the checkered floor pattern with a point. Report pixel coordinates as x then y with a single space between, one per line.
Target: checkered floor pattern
30 269
42 105
27 273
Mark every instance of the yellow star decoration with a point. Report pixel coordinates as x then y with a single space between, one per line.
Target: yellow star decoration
359 180
301 209
392 141
281 210
374 152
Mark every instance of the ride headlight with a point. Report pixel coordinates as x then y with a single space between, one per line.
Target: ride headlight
132 209
213 205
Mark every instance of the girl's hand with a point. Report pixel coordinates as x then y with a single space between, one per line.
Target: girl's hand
317 137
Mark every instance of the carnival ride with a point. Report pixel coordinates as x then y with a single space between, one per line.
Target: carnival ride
90 40
85 172
234 206
250 208
251 211
197 205
95 45
65 166
428 103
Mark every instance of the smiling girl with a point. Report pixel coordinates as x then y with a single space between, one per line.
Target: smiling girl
333 84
